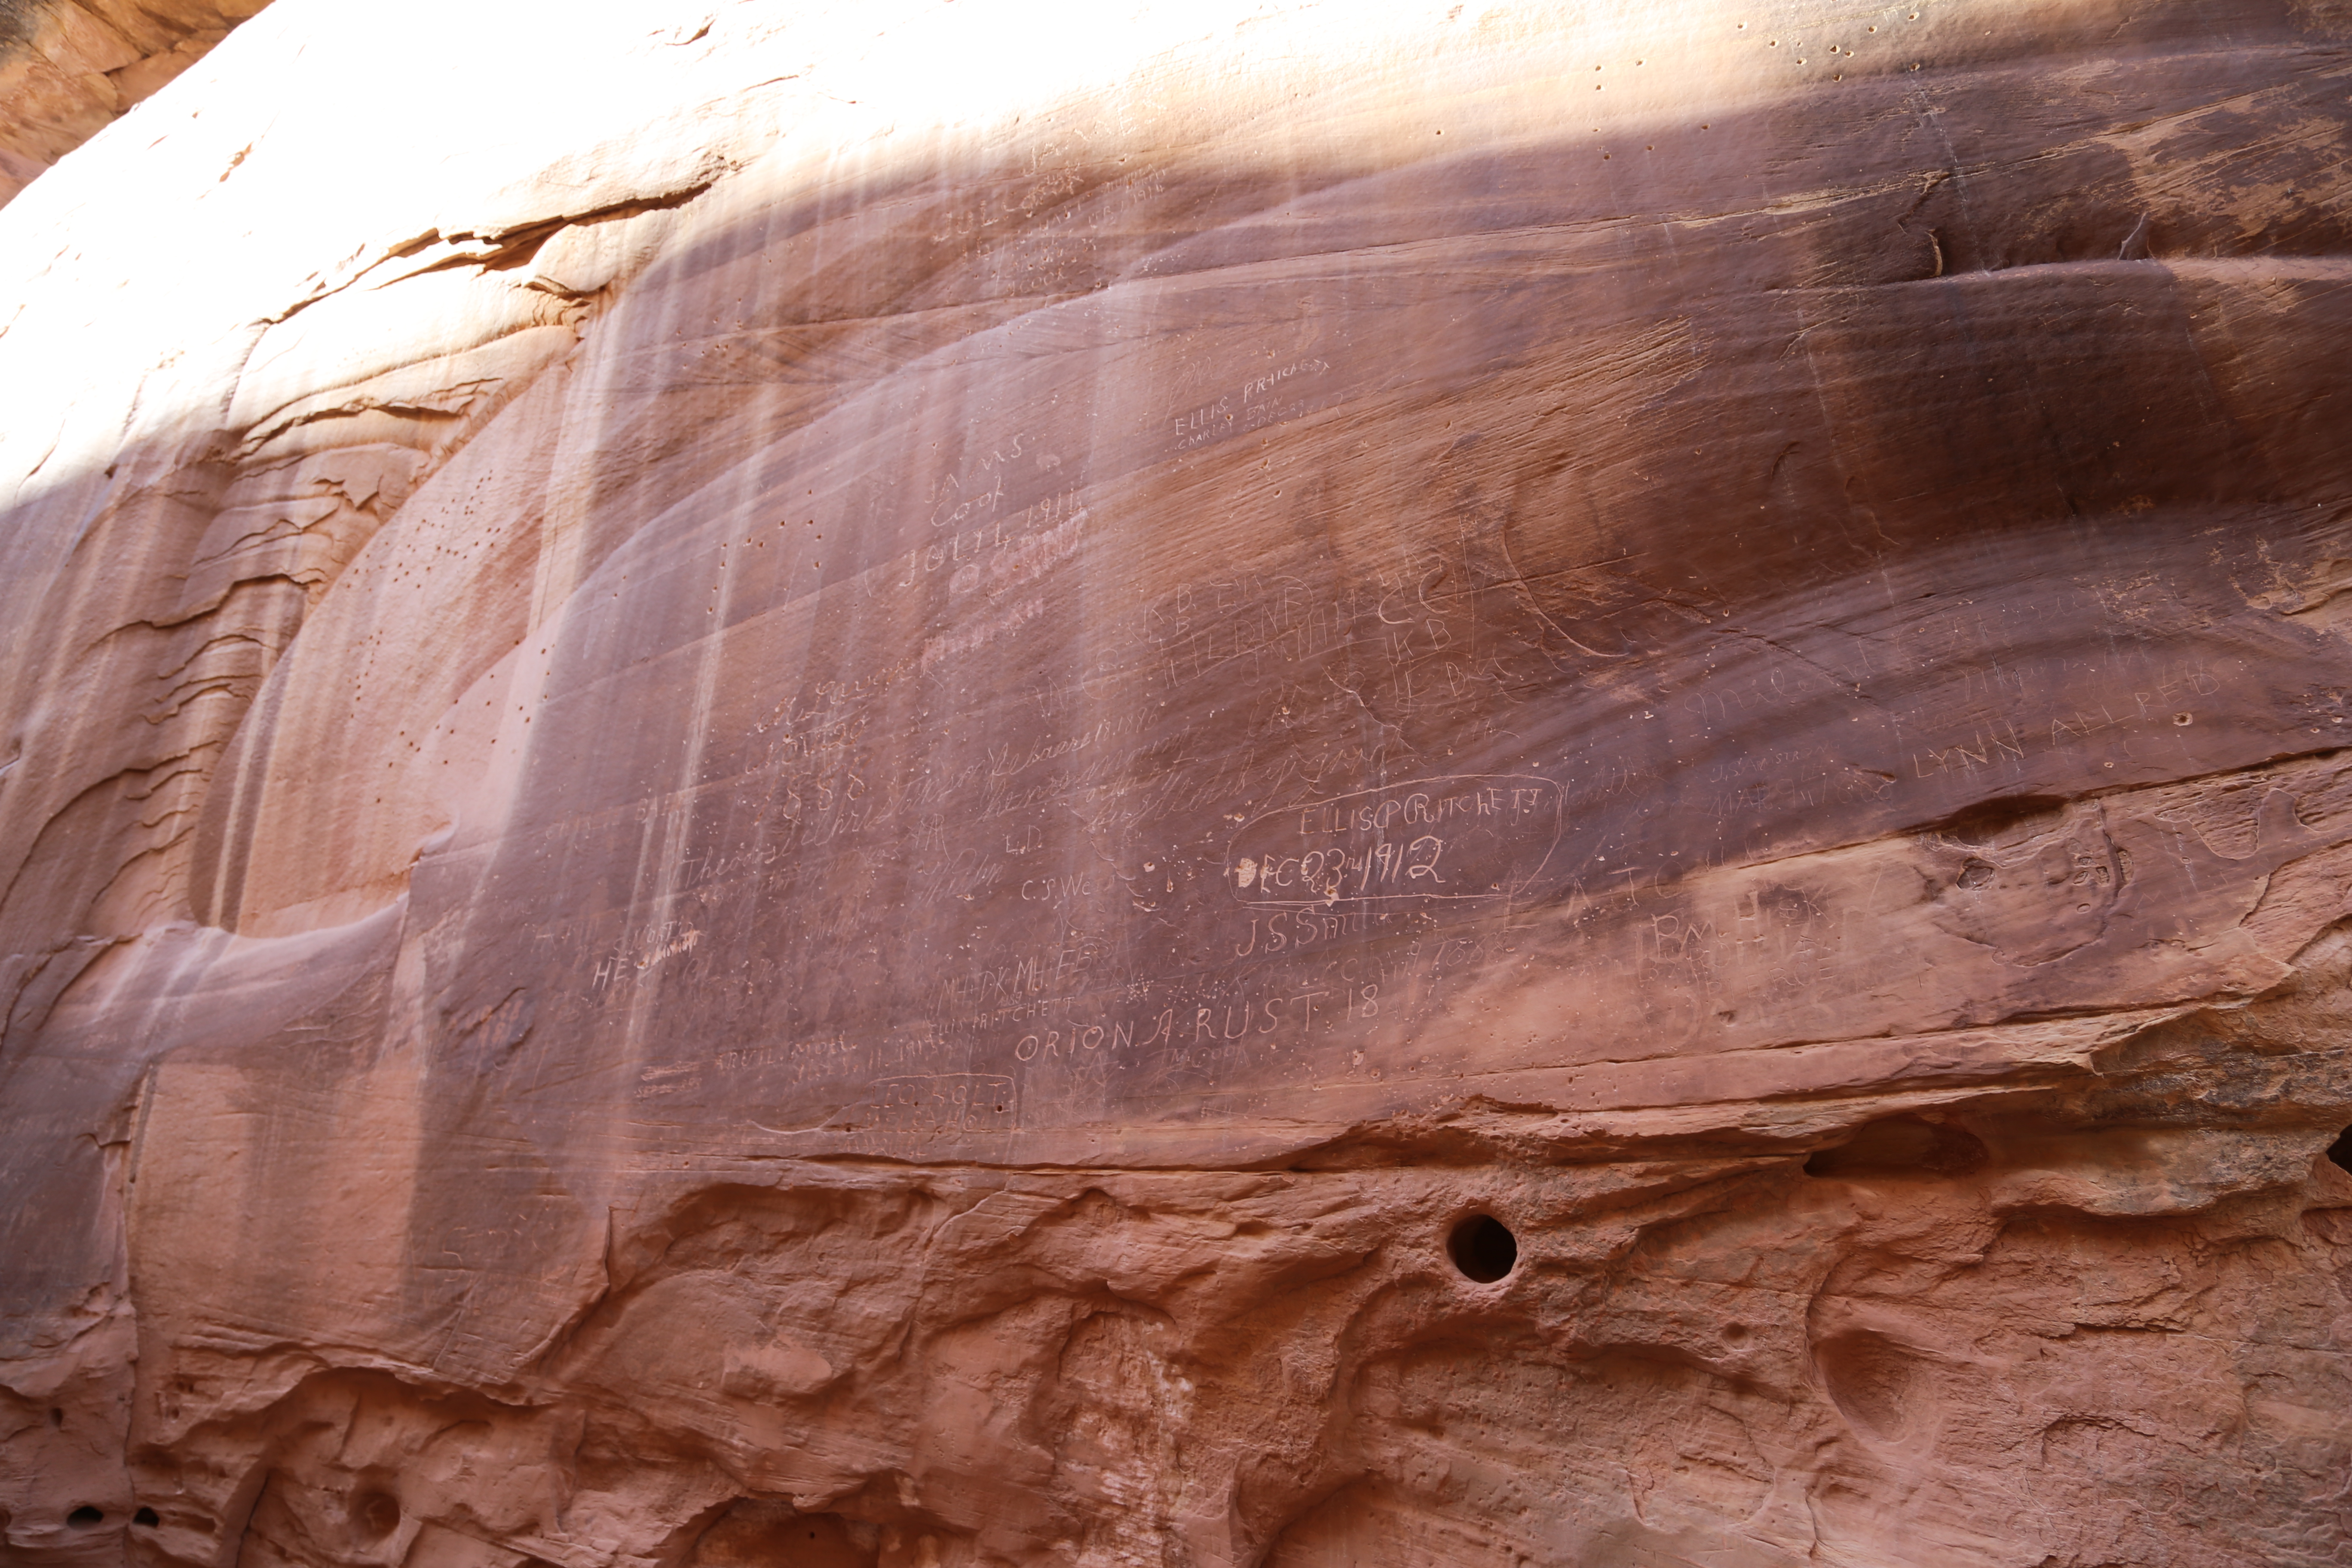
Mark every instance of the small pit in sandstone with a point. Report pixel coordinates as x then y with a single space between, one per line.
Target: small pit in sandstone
1482 1248
375 1514
147 1518
84 1517
2341 1150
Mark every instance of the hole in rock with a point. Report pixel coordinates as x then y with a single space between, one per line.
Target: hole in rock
2341 1150
1483 1248
1900 1145
2011 816
1875 1383
375 1514
757 1534
56 1416
147 1517
85 1516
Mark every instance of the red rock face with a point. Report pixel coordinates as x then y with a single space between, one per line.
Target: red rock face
1289 801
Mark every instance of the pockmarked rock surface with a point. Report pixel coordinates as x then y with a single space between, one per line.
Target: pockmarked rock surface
821 787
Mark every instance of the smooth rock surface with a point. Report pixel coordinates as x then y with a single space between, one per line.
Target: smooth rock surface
788 785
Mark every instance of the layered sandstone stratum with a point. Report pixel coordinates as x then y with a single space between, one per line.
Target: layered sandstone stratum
70 67
819 785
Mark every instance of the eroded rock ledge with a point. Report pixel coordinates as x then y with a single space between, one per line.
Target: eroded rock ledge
1560 785
70 67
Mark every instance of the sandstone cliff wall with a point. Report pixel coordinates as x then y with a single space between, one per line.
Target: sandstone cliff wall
789 785
70 67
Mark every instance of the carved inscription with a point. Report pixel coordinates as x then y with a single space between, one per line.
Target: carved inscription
1259 401
1469 837
938 1105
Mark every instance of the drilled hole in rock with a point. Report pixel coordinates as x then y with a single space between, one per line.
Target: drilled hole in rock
2341 1150
85 1516
1901 1146
1483 1247
147 1517
375 1514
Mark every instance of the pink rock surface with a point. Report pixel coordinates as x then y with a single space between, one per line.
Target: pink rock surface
857 787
